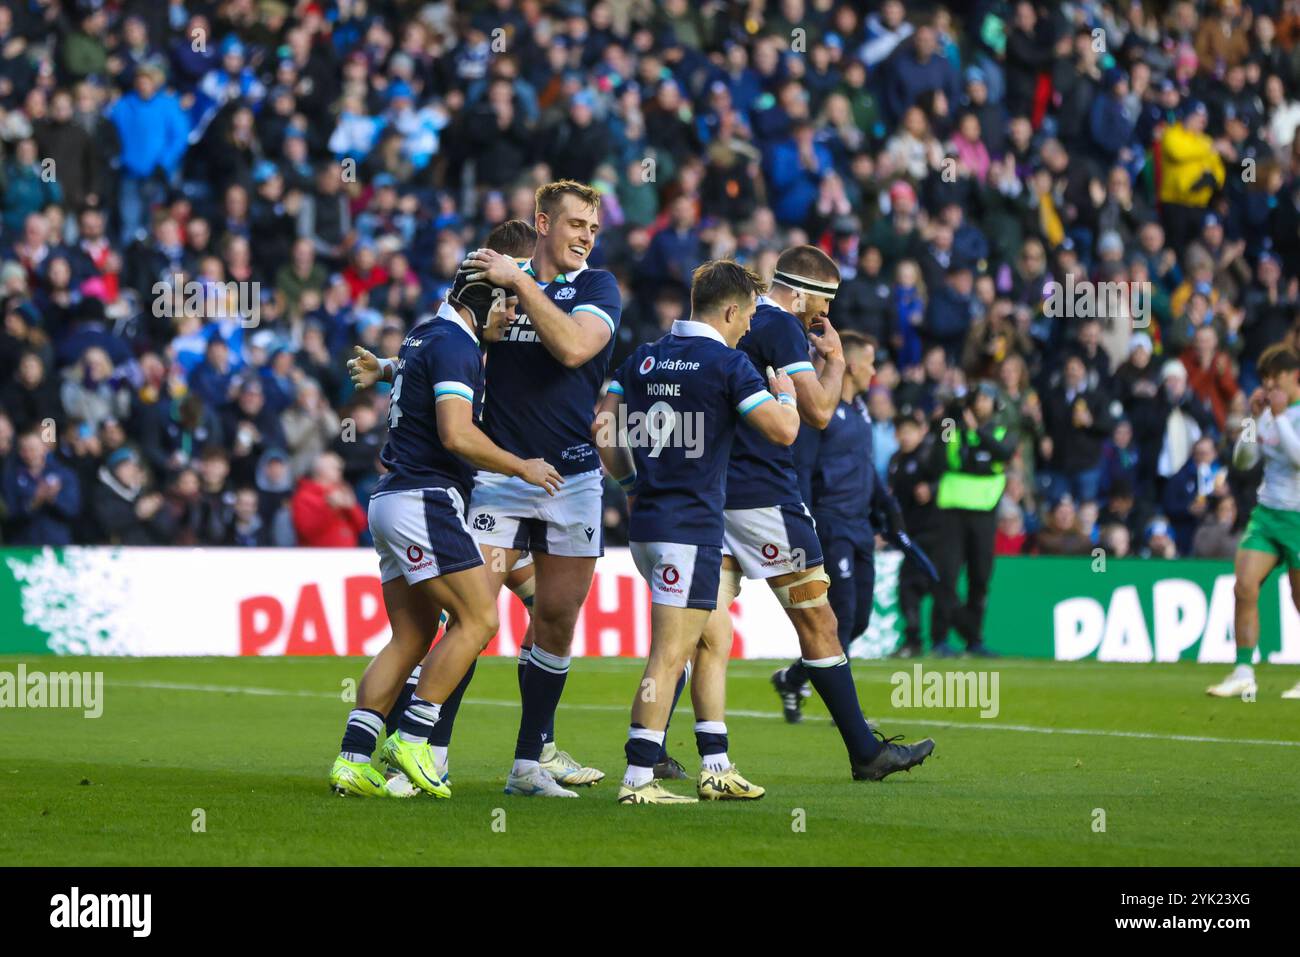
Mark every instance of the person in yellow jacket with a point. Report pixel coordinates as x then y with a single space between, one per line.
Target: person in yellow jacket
1191 170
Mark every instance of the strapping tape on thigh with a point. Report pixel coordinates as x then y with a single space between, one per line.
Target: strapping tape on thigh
806 592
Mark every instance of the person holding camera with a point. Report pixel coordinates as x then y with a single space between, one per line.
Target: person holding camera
971 458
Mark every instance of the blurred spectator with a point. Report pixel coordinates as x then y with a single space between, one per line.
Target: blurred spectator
154 134
1061 535
325 509
42 497
1192 491
125 510
31 398
1077 421
1217 536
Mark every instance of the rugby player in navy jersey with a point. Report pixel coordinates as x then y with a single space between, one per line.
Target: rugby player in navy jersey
676 405
543 380
769 532
849 504
517 239
428 559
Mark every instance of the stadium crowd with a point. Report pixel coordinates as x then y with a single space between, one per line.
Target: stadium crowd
337 158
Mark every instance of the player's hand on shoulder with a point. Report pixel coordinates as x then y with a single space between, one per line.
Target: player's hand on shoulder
779 381
364 369
488 265
542 474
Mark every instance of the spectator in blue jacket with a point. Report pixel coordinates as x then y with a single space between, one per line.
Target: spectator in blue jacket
154 134
950 311
1112 120
211 379
918 68
795 169
676 249
41 495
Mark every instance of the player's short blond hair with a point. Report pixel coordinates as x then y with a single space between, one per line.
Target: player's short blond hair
550 196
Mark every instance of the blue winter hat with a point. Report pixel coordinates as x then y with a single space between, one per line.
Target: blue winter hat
232 44
264 170
121 455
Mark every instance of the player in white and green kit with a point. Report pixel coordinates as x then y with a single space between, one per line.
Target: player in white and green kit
1273 533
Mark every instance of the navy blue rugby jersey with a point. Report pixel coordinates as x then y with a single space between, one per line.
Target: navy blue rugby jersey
762 473
535 407
685 396
842 479
439 361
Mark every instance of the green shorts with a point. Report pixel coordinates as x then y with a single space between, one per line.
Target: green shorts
1276 531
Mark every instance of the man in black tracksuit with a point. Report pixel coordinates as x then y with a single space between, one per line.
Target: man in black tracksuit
848 502
914 478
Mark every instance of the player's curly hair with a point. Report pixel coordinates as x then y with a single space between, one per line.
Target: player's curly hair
720 282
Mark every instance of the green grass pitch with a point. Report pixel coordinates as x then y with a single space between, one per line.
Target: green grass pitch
1182 779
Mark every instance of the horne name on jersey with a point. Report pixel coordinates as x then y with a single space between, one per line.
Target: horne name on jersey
682 481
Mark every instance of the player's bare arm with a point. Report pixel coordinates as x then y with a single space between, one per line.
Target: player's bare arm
605 436
460 435
818 392
573 339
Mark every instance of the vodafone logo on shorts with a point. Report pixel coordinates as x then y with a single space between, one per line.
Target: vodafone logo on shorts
647 364
770 553
415 555
668 579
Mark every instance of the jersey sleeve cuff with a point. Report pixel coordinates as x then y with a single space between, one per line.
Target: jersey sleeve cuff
746 406
452 389
796 367
615 387
595 311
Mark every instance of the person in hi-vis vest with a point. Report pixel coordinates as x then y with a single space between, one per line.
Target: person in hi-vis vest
972 457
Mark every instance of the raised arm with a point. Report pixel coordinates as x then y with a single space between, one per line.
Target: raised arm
573 338
818 389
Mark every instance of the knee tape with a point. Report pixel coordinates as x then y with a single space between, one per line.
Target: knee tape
729 580
806 592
